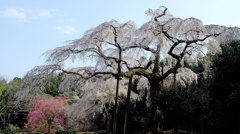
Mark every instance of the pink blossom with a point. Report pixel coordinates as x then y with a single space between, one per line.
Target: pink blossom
46 112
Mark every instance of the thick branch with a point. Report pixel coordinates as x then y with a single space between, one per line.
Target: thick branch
115 37
172 70
170 52
138 71
91 75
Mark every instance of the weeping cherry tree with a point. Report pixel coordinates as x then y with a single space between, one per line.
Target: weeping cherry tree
117 50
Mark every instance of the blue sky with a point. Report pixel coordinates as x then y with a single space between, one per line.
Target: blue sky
28 28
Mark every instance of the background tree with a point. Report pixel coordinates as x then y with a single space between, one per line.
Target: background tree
3 106
7 98
225 89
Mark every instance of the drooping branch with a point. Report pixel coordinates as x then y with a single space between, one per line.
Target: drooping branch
61 54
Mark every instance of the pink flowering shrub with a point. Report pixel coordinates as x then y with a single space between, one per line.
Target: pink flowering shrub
47 115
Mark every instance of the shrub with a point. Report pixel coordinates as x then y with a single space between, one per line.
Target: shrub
47 115
10 129
38 133
66 132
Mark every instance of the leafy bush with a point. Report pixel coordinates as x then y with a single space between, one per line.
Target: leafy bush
66 132
10 129
52 87
38 133
102 132
86 133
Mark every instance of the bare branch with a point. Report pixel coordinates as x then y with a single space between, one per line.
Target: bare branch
139 46
164 13
189 52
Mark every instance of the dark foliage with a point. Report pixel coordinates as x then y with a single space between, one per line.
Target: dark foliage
138 117
66 132
52 87
225 92
184 108
38 133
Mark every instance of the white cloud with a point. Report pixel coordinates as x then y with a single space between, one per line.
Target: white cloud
45 13
27 14
66 29
18 13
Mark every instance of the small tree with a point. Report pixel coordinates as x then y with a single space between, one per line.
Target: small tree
47 114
